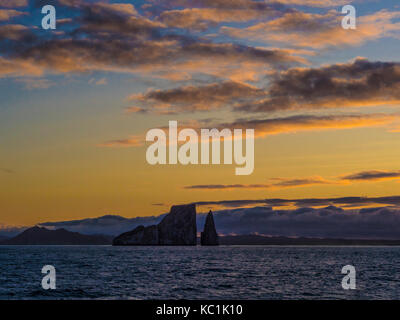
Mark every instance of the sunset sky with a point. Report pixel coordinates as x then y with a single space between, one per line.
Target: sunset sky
76 102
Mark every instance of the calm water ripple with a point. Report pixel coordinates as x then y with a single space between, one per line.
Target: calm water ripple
105 272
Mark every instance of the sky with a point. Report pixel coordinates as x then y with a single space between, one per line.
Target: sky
77 101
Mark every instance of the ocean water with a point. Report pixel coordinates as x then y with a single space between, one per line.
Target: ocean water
231 272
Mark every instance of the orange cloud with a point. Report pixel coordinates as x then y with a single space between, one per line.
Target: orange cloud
13 31
18 68
319 30
7 14
133 141
304 123
265 127
202 18
13 3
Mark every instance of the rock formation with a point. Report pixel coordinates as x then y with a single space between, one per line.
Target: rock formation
209 236
145 236
177 228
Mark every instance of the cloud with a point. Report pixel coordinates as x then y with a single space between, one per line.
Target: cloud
204 18
287 26
317 3
98 82
328 222
6 170
315 30
71 3
281 183
372 175
14 32
261 6
304 123
220 4
11 231
242 53
359 83
140 139
272 126
313 202
117 37
13 3
285 183
18 68
35 83
227 186
112 40
117 18
133 141
192 98
6 14
101 36
355 84
135 109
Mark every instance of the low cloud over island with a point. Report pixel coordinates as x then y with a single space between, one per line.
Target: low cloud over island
337 218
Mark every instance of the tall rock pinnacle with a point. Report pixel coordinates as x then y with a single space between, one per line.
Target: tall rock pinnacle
209 236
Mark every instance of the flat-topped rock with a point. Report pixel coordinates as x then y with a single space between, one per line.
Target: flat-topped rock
178 228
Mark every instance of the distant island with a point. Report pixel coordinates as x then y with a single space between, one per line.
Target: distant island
42 236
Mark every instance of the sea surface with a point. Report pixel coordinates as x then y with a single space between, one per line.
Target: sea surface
231 272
